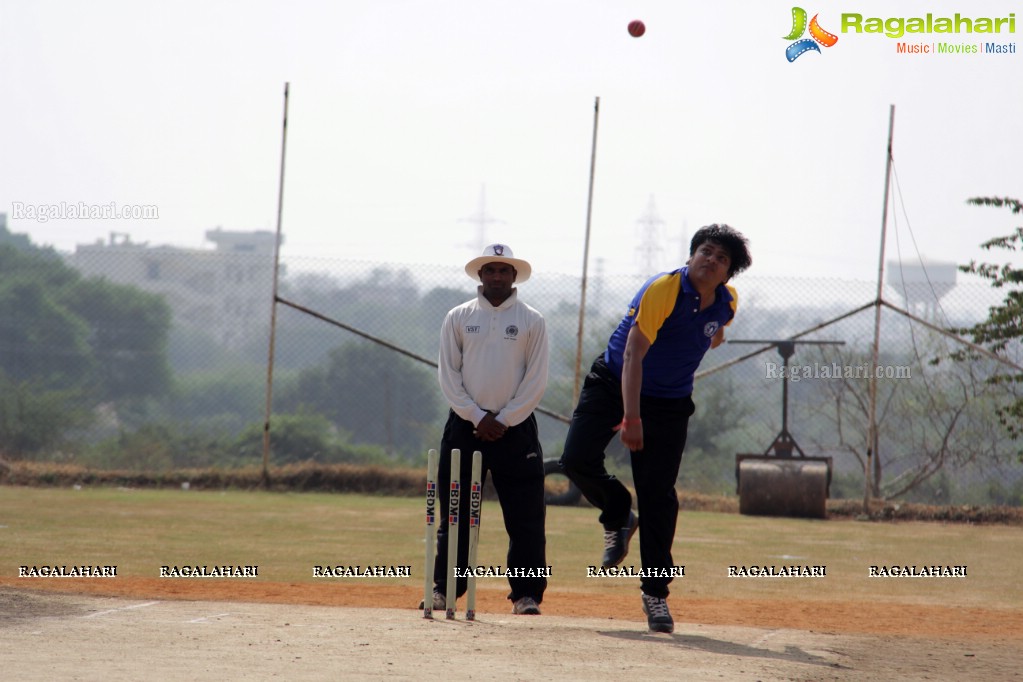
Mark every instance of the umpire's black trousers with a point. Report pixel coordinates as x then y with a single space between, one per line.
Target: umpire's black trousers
654 468
515 462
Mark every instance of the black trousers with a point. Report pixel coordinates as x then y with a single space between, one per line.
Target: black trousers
654 469
516 464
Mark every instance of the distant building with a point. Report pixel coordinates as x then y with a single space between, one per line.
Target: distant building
224 291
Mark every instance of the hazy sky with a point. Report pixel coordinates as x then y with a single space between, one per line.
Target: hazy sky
402 111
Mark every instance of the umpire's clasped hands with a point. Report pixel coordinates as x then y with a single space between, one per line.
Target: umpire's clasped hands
489 429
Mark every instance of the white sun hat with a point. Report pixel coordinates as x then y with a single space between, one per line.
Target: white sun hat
499 253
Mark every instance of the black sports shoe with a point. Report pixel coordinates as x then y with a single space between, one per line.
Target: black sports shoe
616 542
525 606
658 618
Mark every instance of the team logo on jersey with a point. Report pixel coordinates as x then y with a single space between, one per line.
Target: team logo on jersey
511 331
710 329
472 329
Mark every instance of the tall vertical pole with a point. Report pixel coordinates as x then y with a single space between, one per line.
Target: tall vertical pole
872 439
273 302
586 259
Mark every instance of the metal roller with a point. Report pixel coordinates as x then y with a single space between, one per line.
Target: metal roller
775 486
783 481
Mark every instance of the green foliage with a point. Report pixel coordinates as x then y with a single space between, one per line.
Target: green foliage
373 393
1003 493
128 337
435 305
715 436
154 447
41 265
68 345
302 438
34 419
65 331
45 364
192 351
935 490
304 341
43 341
932 424
168 445
1004 324
225 400
846 486
20 242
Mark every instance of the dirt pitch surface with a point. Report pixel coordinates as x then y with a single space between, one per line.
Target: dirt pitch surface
135 629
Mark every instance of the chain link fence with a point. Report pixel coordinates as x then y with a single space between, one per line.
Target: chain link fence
340 397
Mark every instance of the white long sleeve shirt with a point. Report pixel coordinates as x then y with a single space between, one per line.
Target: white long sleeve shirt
493 359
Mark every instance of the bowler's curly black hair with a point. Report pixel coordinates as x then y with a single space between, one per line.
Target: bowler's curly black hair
730 239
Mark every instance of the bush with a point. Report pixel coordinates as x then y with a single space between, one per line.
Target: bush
33 419
155 447
303 438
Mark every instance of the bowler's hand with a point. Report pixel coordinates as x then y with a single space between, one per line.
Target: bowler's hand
632 434
489 429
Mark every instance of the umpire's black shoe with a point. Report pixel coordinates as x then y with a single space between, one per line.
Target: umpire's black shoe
616 542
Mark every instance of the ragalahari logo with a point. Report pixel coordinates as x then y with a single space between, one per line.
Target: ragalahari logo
817 35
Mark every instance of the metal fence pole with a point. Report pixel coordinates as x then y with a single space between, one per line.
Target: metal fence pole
586 258
273 302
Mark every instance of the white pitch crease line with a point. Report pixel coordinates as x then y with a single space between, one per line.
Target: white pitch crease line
123 608
206 618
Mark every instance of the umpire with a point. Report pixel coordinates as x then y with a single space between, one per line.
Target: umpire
493 372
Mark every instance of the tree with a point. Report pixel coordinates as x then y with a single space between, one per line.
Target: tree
1004 324
42 265
128 331
41 340
371 392
69 344
33 419
303 438
932 421
223 400
436 303
716 433
65 331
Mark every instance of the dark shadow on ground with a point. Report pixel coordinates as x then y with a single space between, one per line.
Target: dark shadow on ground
791 654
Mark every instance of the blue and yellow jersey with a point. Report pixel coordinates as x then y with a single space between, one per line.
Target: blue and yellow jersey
667 312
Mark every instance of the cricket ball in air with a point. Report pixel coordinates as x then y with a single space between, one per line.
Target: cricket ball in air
636 28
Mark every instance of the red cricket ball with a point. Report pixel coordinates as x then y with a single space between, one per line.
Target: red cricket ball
636 28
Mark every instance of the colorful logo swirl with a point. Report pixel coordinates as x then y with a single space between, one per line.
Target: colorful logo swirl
818 36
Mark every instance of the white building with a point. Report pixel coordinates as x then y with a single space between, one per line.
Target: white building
225 291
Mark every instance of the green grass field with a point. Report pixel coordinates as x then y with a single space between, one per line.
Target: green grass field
287 534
